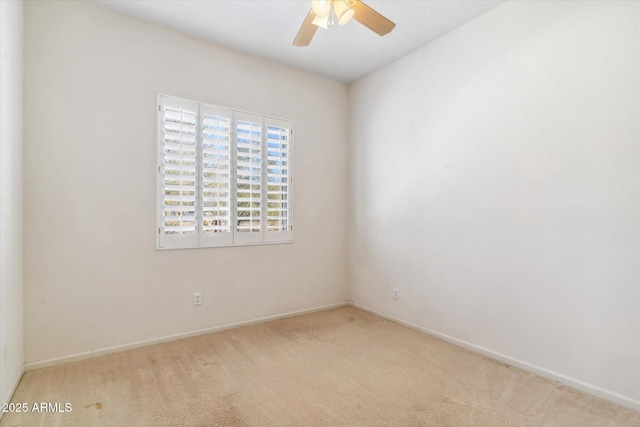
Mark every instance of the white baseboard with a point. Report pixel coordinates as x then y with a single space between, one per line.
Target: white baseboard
571 382
14 386
116 349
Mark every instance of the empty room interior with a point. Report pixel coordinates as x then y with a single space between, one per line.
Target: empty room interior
320 213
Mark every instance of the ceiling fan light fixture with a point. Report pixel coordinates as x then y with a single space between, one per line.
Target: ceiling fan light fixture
320 21
321 7
343 11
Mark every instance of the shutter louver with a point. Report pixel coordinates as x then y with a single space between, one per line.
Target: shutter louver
179 174
248 178
278 180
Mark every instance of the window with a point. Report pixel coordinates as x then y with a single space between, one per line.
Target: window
224 176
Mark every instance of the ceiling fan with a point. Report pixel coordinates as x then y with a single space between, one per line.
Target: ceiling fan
327 12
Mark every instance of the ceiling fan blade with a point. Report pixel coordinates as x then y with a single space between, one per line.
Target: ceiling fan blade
307 31
372 19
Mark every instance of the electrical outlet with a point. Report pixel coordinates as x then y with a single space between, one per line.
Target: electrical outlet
396 293
197 298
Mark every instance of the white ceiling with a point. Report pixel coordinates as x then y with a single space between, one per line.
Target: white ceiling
266 28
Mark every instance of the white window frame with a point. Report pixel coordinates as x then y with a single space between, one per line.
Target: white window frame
234 238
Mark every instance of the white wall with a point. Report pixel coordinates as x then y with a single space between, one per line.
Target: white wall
11 327
93 278
494 181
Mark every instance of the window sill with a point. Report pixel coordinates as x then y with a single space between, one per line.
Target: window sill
232 245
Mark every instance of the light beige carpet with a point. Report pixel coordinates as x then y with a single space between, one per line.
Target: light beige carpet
341 367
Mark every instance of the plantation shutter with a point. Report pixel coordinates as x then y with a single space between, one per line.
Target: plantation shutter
216 176
278 183
249 191
178 171
224 176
